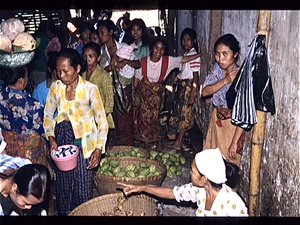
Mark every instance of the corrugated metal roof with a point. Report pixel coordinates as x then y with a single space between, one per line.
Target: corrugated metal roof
32 18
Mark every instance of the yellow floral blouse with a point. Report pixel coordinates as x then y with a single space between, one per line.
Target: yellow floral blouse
86 114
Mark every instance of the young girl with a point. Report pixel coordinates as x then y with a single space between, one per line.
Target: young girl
40 93
140 37
85 29
148 84
111 44
101 78
181 117
94 37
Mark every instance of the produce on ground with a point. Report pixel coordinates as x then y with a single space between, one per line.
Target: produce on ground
172 160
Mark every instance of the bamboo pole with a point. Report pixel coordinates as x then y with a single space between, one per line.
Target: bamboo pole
258 136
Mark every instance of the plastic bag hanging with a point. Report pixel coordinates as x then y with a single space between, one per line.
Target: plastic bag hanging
251 90
262 85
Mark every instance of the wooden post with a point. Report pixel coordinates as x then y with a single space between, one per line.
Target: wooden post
258 136
170 30
64 27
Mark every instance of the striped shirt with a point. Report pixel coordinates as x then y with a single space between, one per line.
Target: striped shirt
9 162
187 69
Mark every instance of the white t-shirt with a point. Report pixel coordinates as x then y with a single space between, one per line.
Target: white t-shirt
227 202
154 68
187 69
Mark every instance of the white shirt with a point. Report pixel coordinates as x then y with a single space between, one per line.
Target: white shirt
154 68
187 69
128 71
227 202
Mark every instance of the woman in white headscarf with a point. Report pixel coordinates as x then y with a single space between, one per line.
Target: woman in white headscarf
207 188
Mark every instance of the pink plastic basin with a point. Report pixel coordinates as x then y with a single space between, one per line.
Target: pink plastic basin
66 163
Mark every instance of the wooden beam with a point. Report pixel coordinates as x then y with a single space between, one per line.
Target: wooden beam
258 136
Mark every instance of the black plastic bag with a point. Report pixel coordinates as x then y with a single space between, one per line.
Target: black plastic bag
251 90
262 85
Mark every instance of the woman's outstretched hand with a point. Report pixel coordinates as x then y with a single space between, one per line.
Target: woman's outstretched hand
130 188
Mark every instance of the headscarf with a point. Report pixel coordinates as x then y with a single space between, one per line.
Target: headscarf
211 164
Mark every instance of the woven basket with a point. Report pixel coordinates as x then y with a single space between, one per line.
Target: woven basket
116 149
104 205
106 184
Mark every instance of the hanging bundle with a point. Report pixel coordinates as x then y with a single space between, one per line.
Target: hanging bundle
121 102
251 90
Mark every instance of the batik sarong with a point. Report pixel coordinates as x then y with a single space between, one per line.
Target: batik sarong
182 115
30 146
146 125
124 123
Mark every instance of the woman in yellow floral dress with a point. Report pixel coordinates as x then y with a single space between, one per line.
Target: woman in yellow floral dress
80 120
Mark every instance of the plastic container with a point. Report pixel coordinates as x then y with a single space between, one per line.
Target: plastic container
66 163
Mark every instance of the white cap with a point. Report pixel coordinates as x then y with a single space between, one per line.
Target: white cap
210 163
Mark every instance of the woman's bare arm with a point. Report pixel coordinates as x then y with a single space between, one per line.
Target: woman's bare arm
161 192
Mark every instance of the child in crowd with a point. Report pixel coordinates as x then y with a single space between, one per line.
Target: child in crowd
85 31
94 37
181 117
148 85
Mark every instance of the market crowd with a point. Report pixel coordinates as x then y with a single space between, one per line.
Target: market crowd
106 88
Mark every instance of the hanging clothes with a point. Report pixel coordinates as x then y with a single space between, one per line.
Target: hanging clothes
251 90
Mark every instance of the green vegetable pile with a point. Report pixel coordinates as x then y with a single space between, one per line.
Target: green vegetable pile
134 152
172 160
112 168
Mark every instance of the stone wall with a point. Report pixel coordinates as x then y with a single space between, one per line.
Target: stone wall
280 176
